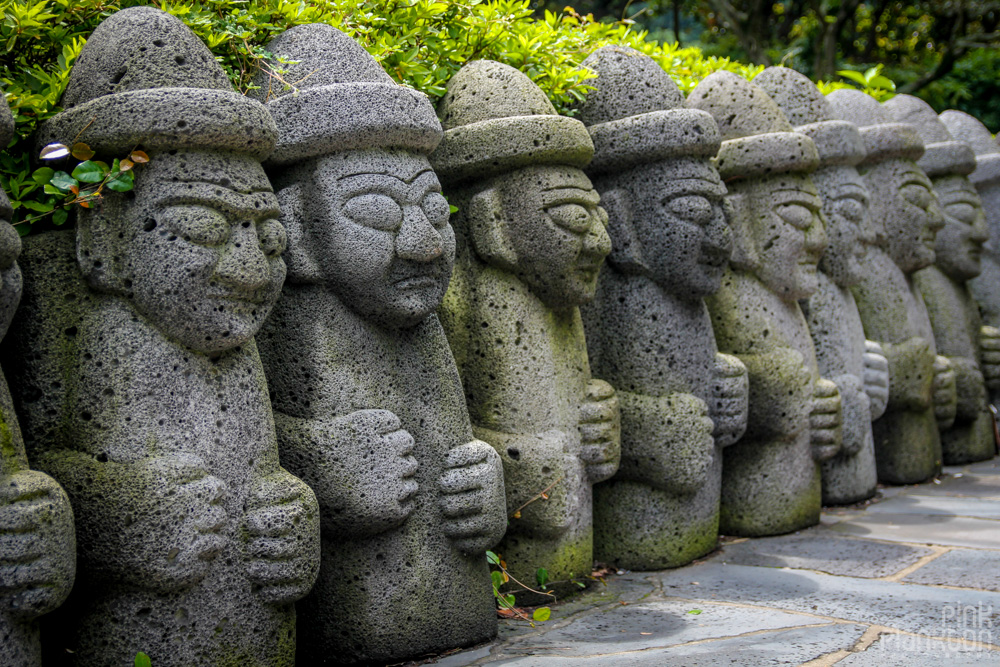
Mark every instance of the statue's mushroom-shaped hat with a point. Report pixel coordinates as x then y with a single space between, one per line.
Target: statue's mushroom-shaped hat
965 128
144 79
342 99
942 154
497 120
757 139
884 138
636 113
838 142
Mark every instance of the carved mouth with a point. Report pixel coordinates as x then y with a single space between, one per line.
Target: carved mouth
417 282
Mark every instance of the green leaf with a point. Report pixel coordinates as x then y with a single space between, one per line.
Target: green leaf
142 660
123 182
43 175
63 181
52 190
497 577
37 206
492 558
452 209
541 614
882 82
90 172
82 151
695 612
542 576
509 599
59 216
856 77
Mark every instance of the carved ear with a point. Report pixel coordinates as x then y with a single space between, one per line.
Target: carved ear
626 250
738 215
299 260
95 240
488 229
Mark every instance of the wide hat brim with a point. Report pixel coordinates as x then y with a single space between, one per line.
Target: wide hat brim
948 158
650 137
164 119
987 169
891 141
838 143
767 154
352 116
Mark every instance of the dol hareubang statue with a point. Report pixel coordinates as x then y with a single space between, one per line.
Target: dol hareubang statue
531 240
140 382
958 247
368 403
37 545
855 364
906 219
771 477
648 330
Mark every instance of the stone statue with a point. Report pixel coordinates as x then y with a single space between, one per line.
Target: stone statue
531 240
368 402
954 313
906 219
984 287
856 365
648 329
139 379
771 477
37 543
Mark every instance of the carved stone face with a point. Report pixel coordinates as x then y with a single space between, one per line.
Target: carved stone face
379 228
906 213
786 233
848 225
678 218
199 249
959 246
557 232
10 274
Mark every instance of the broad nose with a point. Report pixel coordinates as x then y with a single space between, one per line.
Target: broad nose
417 239
816 238
935 216
980 231
243 263
596 241
718 237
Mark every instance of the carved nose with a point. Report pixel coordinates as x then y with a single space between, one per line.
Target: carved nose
243 264
980 231
935 216
816 239
597 241
417 240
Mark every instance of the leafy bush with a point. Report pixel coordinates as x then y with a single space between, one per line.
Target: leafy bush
420 43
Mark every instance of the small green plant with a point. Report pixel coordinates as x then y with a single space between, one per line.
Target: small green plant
872 82
142 660
505 601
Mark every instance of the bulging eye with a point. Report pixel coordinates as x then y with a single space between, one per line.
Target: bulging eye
375 211
197 224
797 215
273 240
962 212
436 209
692 208
851 209
574 217
917 195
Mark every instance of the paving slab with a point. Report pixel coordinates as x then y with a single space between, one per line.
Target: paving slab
991 467
895 650
909 607
782 647
918 503
967 568
923 529
969 485
825 551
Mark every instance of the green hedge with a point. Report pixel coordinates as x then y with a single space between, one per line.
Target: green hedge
420 43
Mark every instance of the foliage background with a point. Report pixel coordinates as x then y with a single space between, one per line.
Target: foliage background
420 43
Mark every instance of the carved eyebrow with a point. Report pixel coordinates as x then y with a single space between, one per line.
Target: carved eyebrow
794 195
699 186
850 190
569 194
223 199
962 196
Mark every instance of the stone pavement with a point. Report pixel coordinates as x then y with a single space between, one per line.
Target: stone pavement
911 579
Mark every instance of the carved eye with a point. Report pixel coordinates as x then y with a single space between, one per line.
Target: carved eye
796 215
962 212
692 208
375 211
436 209
917 195
273 240
574 217
197 224
851 209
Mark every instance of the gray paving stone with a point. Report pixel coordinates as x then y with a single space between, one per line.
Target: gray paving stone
909 607
463 658
968 485
648 625
892 650
924 529
966 568
783 647
916 503
991 467
818 549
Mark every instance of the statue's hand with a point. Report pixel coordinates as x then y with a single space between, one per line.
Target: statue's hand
37 545
876 378
600 431
826 434
989 345
730 399
472 497
282 529
944 393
